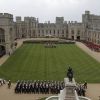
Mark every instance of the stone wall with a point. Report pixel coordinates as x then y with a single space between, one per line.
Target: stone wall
91 24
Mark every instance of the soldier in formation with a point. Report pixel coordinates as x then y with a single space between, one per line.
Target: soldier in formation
37 87
81 89
2 81
9 84
50 45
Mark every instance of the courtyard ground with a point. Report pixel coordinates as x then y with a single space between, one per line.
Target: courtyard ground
93 90
8 94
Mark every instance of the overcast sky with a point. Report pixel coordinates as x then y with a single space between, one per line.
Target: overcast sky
47 10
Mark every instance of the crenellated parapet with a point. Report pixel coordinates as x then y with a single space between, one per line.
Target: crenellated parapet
6 15
18 19
30 19
87 12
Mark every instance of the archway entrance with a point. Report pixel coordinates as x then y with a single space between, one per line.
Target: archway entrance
72 37
2 41
78 37
2 50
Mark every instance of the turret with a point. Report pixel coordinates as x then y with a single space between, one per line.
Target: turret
18 19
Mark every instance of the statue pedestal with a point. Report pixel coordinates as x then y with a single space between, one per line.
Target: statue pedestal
68 93
70 89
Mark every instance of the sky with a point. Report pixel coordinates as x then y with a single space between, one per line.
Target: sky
47 10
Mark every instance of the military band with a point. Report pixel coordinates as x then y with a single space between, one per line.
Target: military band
37 87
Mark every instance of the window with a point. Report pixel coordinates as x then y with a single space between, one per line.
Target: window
66 31
46 31
42 31
58 31
62 31
50 31
78 32
2 36
54 31
33 31
39 31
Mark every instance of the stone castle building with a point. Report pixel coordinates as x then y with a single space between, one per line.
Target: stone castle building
91 25
88 29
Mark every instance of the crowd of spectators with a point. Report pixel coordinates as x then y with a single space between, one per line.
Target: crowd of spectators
92 46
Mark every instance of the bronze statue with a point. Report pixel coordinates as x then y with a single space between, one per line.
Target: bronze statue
70 74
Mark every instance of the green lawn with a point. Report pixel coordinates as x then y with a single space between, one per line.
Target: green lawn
35 62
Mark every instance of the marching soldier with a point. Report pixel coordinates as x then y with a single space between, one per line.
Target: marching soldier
9 84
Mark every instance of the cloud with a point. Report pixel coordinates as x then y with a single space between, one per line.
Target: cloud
49 9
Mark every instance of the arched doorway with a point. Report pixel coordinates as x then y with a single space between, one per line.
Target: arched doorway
72 37
2 41
2 50
78 38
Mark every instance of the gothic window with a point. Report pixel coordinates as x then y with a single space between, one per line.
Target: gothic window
39 31
11 33
58 31
78 32
54 31
50 31
33 31
66 31
46 31
42 31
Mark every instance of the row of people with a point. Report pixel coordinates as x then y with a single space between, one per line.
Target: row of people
36 87
2 81
92 46
50 45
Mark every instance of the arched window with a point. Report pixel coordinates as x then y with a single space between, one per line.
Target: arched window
2 36
54 31
78 32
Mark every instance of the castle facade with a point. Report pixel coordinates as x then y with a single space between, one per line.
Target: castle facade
88 29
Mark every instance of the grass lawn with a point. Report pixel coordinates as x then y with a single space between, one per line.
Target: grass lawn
35 62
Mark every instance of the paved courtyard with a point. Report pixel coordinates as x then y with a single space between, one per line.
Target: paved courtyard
93 92
8 94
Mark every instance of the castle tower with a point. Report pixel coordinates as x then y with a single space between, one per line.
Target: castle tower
7 32
18 19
